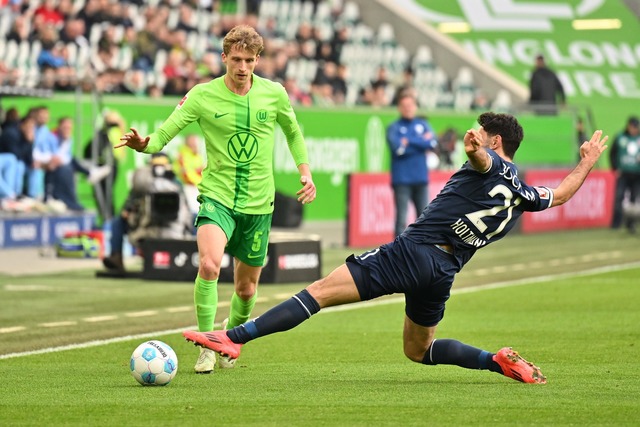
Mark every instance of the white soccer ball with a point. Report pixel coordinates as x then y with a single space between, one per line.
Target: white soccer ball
154 363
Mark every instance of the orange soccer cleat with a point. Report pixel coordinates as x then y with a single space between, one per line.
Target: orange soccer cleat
514 366
217 341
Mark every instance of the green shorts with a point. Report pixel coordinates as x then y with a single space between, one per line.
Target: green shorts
247 235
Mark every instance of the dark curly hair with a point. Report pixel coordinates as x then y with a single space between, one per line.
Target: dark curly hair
507 127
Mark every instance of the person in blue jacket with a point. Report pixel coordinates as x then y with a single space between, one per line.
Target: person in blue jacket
409 139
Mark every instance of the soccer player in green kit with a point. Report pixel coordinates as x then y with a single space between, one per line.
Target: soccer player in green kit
237 114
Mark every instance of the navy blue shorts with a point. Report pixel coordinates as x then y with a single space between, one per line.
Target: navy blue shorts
423 273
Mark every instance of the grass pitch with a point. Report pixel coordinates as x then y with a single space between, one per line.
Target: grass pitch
342 367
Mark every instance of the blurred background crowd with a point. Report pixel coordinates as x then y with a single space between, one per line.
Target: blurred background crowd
319 50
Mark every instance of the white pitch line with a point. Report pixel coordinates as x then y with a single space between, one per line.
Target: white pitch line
95 343
96 319
180 309
28 288
145 313
11 329
346 307
58 324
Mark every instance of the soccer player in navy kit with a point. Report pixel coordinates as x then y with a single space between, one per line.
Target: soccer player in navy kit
479 205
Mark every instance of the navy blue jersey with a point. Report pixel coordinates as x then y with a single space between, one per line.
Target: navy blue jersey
476 208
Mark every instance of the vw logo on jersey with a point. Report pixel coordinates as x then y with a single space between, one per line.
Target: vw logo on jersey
262 116
242 147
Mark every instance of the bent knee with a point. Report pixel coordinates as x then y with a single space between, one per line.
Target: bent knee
246 292
209 268
416 351
413 355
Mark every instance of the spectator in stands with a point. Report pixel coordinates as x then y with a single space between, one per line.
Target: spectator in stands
409 138
59 177
44 147
186 18
134 82
11 118
304 33
296 95
339 40
49 14
108 50
447 149
339 84
324 52
8 76
145 47
546 90
175 73
322 94
92 14
322 87
480 101
280 64
8 195
154 91
64 9
188 168
52 56
624 157
17 138
144 216
19 31
379 96
74 32
210 66
405 84
118 13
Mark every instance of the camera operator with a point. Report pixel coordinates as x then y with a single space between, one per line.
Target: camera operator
156 207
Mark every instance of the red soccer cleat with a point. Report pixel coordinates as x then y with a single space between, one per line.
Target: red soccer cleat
514 366
217 341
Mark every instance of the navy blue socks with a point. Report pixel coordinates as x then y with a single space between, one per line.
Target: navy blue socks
282 317
452 352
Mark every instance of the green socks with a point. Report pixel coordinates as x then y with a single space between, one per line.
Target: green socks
240 310
205 296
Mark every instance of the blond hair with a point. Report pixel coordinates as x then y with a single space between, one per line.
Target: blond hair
243 37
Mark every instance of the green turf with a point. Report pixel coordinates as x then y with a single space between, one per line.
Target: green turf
345 367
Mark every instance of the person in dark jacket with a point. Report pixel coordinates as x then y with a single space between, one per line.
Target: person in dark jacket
625 162
17 138
409 138
545 89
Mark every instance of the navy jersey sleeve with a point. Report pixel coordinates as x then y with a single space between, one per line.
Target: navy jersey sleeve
477 208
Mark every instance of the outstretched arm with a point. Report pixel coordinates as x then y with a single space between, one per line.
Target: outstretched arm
590 152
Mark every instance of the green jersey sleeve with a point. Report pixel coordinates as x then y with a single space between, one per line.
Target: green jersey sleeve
186 112
289 124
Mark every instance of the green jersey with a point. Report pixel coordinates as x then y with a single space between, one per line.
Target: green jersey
239 138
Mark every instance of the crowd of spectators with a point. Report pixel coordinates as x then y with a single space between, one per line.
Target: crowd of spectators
164 47
37 167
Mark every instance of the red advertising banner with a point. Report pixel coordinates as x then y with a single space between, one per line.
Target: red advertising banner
591 207
371 211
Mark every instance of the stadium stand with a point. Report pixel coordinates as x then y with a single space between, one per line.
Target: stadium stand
138 47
